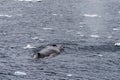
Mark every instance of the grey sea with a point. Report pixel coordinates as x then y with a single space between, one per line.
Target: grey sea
88 29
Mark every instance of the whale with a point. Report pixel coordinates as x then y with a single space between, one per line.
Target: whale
49 51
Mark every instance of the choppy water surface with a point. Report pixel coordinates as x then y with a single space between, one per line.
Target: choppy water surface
89 31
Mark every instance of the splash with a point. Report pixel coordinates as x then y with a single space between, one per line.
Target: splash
94 36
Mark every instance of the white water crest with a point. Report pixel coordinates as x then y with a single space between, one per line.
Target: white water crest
5 15
34 38
117 44
20 73
91 15
28 46
100 55
69 75
41 39
47 28
116 29
94 36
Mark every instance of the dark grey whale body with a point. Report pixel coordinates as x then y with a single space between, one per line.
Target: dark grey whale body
50 50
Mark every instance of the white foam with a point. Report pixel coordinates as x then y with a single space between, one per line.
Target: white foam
117 44
28 46
55 14
91 15
69 75
80 26
81 35
20 73
100 55
109 37
116 29
95 36
78 33
47 28
5 15
34 38
69 31
42 39
3 33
